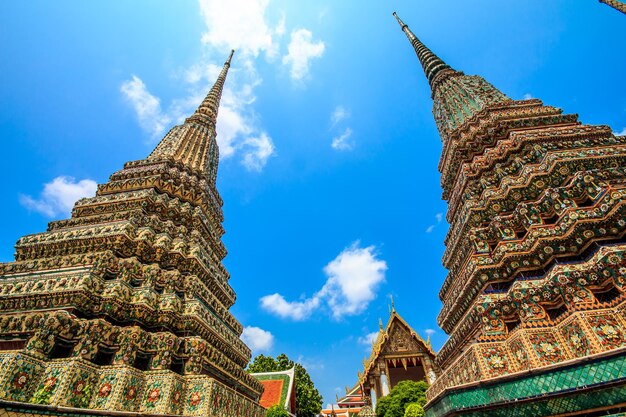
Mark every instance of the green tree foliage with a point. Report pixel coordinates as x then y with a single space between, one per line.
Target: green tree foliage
276 411
383 404
403 394
414 410
308 398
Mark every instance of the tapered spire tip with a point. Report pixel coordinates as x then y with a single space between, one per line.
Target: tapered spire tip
400 22
431 63
230 57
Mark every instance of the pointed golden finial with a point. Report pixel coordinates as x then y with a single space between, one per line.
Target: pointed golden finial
428 341
211 103
393 304
380 324
194 147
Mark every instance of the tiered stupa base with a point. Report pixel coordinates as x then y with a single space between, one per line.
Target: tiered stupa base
590 386
33 385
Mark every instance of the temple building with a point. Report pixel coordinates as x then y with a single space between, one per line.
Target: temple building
347 406
124 307
278 389
534 300
398 354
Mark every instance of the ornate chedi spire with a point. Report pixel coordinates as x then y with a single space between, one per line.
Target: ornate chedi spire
535 295
193 143
431 63
617 5
457 97
125 306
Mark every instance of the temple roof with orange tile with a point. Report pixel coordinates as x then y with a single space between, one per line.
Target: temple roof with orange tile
278 389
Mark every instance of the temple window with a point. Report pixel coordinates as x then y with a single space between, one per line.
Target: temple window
104 356
520 234
177 365
512 324
556 310
550 220
142 361
12 344
62 348
607 294
586 202
109 276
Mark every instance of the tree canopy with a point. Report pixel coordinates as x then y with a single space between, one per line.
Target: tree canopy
403 394
308 398
276 411
414 410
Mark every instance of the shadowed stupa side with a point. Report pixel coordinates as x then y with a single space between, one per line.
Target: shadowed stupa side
535 298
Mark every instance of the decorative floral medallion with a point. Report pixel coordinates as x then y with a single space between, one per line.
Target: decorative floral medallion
176 397
20 380
153 396
608 331
495 360
78 387
50 383
547 347
105 390
576 339
131 393
195 399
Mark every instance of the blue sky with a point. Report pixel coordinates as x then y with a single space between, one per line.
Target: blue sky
329 149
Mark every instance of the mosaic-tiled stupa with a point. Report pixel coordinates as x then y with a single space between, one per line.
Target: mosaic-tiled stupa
124 307
616 4
534 300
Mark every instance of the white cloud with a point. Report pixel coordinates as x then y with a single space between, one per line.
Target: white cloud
294 310
280 28
368 339
257 152
257 339
310 365
59 195
146 106
342 142
301 50
438 219
430 332
340 113
622 133
237 24
527 96
352 278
